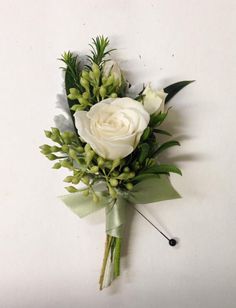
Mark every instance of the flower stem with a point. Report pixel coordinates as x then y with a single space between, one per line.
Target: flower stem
112 249
105 258
117 258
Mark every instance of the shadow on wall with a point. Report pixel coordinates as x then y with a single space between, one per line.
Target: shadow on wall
176 123
63 121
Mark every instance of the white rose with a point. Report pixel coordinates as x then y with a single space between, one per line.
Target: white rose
113 127
112 68
154 101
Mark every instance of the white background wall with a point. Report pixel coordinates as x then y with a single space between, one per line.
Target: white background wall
48 256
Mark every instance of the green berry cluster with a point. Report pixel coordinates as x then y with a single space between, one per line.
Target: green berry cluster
94 87
86 166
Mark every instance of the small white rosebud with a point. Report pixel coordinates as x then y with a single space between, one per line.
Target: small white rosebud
153 101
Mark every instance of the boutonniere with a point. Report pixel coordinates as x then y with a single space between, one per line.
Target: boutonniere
112 152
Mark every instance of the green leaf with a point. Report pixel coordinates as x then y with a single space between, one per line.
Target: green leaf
175 88
144 151
69 83
165 146
142 177
159 169
157 119
71 77
161 131
145 134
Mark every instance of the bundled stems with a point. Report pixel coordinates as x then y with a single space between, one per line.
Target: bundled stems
112 250
117 257
105 258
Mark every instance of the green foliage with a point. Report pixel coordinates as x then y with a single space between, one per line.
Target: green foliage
72 71
141 177
165 146
147 132
157 119
162 169
99 50
175 88
71 77
161 131
144 151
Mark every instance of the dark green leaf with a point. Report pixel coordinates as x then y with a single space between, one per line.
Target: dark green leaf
165 146
159 169
144 151
157 119
145 134
69 83
161 131
71 77
175 88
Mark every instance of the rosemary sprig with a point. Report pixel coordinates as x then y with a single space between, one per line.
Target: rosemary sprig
99 50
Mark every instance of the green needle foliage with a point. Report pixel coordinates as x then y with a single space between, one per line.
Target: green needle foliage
99 50
72 67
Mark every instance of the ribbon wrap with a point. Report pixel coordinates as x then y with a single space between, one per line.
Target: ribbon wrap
115 216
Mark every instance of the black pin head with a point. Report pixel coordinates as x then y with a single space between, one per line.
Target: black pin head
172 242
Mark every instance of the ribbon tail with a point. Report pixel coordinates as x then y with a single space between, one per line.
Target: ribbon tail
153 189
83 205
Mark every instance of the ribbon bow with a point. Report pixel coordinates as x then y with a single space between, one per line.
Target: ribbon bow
152 189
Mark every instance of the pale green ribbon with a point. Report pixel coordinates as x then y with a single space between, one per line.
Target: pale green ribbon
152 189
115 216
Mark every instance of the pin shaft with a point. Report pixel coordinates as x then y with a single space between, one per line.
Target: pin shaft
172 242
